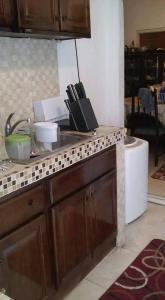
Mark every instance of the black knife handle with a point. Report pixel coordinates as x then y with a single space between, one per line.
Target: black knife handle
78 90
82 89
75 92
69 95
70 89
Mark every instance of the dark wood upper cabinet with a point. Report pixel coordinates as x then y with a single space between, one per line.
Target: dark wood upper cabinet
23 262
6 14
45 18
84 222
38 15
75 16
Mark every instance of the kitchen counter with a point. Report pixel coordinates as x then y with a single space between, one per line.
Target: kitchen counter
44 217
20 175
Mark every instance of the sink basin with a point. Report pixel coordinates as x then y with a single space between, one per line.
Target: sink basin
44 149
67 139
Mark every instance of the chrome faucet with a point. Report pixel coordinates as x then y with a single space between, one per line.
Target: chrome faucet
10 128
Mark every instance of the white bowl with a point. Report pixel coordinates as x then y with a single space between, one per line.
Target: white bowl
46 132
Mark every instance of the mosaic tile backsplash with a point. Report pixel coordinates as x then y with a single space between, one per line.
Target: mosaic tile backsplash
28 72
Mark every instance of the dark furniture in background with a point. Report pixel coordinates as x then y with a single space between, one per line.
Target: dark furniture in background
147 125
152 40
54 232
50 19
142 69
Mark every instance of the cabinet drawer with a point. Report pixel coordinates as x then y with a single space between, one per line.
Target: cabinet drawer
82 174
20 209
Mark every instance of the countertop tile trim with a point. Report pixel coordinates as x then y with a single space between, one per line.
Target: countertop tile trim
57 162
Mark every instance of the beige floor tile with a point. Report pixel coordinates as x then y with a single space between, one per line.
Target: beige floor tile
86 291
119 260
138 234
111 267
155 186
149 226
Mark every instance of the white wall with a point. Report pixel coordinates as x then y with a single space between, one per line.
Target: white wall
143 15
100 61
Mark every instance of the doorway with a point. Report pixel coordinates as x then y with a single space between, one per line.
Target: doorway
140 19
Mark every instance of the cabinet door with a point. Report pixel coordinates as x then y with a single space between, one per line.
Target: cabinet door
69 233
102 210
75 16
38 15
5 13
24 262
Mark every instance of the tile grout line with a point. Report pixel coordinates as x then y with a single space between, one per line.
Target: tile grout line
94 283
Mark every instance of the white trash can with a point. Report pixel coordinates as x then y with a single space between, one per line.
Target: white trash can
136 177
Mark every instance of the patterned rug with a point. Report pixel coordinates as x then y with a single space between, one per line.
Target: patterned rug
144 279
160 173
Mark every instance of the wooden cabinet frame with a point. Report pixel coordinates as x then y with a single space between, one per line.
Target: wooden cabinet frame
52 18
23 256
57 236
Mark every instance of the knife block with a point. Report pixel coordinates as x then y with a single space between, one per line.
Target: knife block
82 113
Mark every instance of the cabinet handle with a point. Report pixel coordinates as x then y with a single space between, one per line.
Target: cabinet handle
91 191
28 30
51 193
2 291
30 202
1 260
86 197
57 19
64 18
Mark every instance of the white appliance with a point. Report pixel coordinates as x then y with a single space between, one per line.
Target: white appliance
51 109
136 178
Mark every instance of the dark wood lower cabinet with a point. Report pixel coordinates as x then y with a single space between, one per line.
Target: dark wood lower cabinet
101 210
58 230
23 262
82 223
6 10
70 240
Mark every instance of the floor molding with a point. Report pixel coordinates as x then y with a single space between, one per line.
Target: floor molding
156 199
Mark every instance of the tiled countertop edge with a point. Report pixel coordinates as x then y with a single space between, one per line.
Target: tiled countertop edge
4 297
59 161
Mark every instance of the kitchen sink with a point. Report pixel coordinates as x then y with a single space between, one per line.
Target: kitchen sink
66 139
5 165
44 149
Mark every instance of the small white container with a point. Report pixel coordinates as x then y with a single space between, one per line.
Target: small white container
46 132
